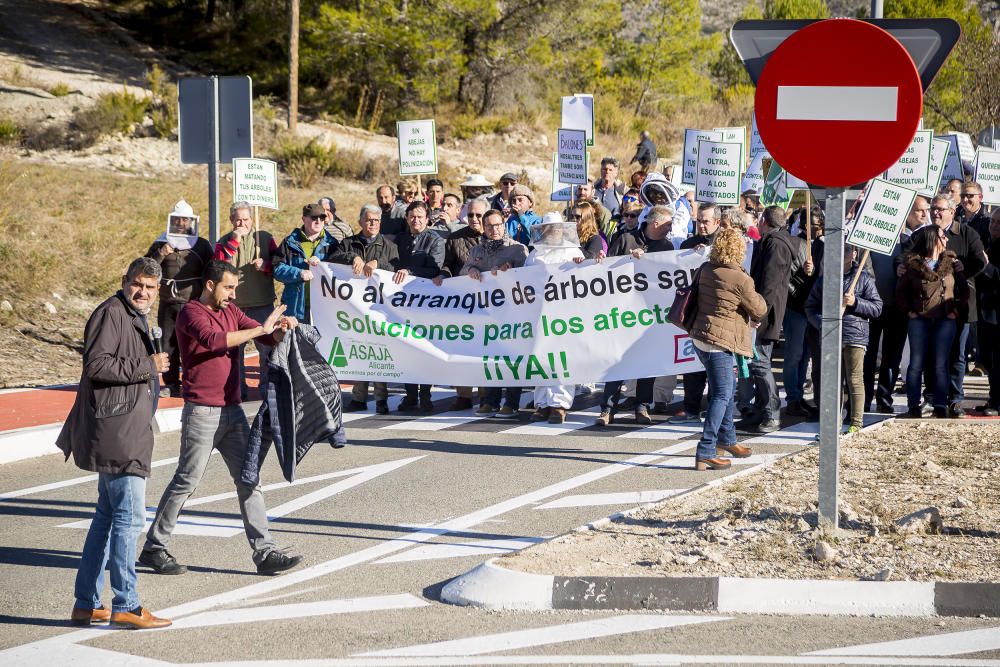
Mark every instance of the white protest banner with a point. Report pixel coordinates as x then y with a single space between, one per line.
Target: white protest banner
562 191
571 147
952 163
912 169
690 156
717 180
417 147
987 174
939 155
255 182
738 135
578 114
881 217
756 144
753 179
537 325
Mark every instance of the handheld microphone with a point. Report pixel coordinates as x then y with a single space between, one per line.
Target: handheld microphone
156 333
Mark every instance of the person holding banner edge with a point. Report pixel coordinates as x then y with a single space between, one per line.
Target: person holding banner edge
365 252
301 250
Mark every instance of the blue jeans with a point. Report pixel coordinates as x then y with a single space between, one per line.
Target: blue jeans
118 520
956 379
511 394
796 355
719 427
930 340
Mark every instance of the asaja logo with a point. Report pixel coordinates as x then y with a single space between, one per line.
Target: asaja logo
337 357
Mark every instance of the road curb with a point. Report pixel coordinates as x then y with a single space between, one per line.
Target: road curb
494 587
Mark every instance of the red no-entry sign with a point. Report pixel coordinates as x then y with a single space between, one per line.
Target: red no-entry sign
838 102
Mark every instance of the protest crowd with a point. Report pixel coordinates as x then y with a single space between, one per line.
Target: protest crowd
931 308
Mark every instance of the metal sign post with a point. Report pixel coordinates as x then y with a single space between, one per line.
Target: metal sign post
215 124
829 386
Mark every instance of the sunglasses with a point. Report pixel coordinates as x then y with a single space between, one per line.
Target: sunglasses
318 217
574 217
969 195
631 215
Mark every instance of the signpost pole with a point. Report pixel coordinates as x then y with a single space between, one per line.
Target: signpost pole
213 165
830 352
809 233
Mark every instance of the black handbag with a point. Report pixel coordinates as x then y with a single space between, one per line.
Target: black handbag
684 309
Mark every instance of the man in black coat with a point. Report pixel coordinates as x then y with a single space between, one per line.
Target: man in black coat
771 269
645 152
110 431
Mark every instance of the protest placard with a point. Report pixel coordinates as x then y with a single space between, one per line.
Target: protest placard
562 191
676 174
571 149
776 191
756 144
533 326
578 114
737 135
939 156
953 162
255 182
417 140
987 174
881 216
753 179
690 156
717 180
966 149
912 169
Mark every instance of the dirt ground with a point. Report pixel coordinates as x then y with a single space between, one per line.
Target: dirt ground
765 524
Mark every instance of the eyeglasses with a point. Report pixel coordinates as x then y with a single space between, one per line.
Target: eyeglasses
478 216
630 215
496 226
628 200
508 182
970 195
318 217
940 209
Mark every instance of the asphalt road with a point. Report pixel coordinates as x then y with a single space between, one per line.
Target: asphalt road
383 524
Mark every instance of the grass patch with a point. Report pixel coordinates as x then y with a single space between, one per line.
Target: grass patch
466 126
10 133
108 225
60 90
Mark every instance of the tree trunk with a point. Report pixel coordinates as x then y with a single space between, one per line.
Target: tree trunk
210 12
489 92
293 66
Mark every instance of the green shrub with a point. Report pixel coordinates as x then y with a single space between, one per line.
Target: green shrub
113 112
163 106
467 126
304 161
60 90
9 131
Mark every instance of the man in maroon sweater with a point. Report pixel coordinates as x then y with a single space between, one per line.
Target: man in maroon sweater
210 332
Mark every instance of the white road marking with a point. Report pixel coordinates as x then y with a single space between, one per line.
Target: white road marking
230 526
29 654
951 643
637 659
624 498
435 422
665 431
553 634
838 103
438 550
71 482
300 610
574 421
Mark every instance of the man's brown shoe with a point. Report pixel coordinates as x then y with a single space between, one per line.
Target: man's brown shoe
712 464
739 451
141 621
88 616
540 414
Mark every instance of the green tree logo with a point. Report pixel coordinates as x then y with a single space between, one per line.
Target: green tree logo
337 357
